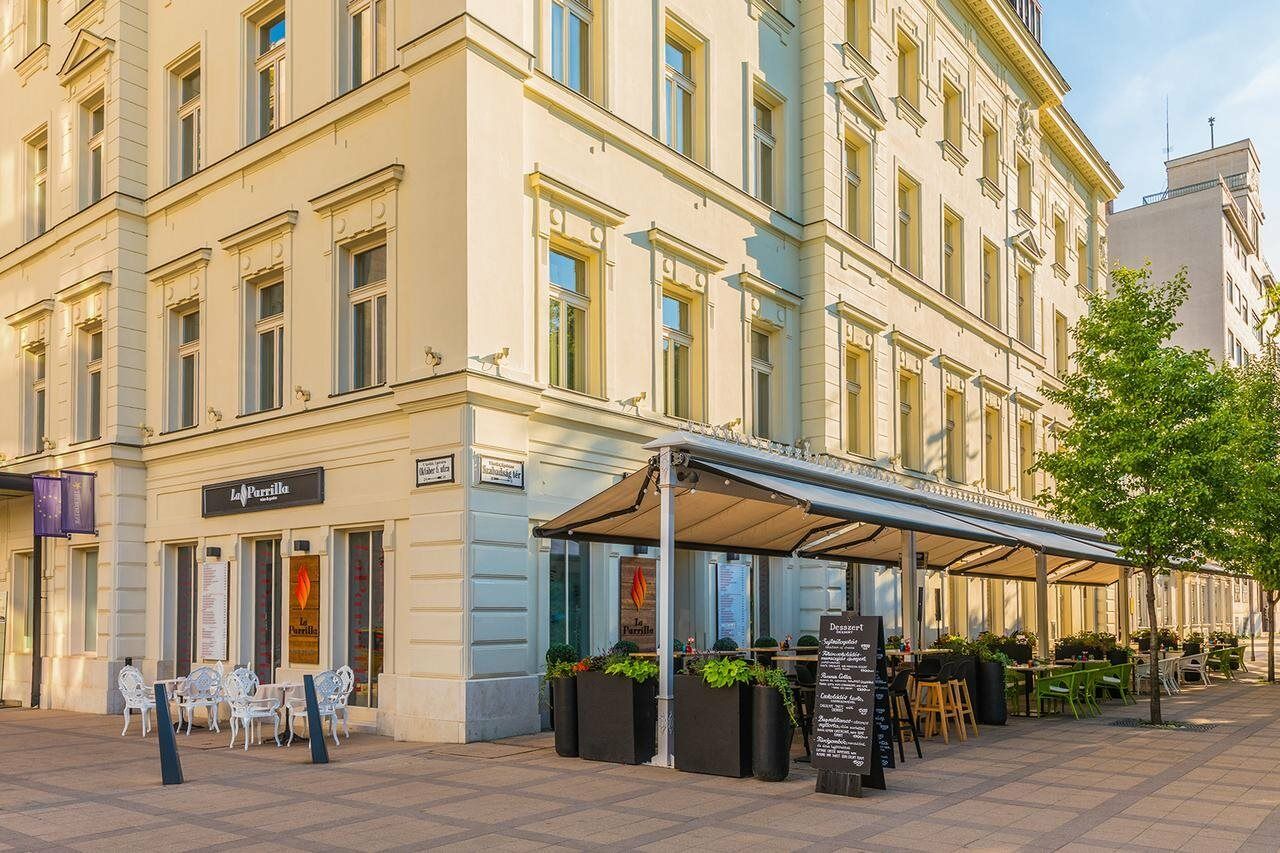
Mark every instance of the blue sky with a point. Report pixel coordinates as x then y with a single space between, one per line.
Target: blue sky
1210 57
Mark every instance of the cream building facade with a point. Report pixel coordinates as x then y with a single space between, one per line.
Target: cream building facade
371 288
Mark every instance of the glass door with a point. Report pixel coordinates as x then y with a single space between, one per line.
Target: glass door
364 614
184 646
570 602
266 608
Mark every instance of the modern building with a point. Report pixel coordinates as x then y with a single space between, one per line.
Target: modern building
1208 219
341 300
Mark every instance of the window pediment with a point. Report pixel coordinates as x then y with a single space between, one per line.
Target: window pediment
765 301
366 204
86 50
33 62
857 94
182 278
263 245
85 300
1027 245
32 324
681 263
572 213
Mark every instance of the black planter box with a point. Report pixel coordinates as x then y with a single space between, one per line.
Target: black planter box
564 698
1117 656
771 733
713 727
1019 653
617 718
1191 648
989 701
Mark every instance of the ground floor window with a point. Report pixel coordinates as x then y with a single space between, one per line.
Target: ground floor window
85 600
266 608
365 614
570 600
184 609
23 608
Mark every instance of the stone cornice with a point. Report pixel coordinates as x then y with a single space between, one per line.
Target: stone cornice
388 177
34 311
259 231
192 260
541 184
97 281
669 243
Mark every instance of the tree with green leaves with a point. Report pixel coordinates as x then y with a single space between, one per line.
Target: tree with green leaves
1252 541
1146 458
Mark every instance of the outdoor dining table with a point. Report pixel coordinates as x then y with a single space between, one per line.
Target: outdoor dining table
281 688
1029 672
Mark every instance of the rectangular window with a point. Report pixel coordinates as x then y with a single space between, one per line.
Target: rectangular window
677 344
857 385
910 413
22 595
1024 189
857 189
37 23
93 131
952 115
679 85
186 369
1060 339
1082 264
570 600
991 154
1026 308
570 307
266 370
38 182
85 593
270 70
1026 459
267 598
36 363
952 256
571 44
762 383
908 224
858 26
365 621
185 614
763 144
955 436
908 71
366 40
367 317
1060 243
187 120
91 391
990 283
994 447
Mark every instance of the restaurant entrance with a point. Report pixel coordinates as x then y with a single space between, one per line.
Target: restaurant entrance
365 613
185 618
267 590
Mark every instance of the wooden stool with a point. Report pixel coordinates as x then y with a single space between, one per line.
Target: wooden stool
935 707
963 702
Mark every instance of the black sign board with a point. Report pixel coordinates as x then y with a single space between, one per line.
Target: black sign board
274 491
851 727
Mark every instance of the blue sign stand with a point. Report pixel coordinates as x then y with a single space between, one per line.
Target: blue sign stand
315 731
170 766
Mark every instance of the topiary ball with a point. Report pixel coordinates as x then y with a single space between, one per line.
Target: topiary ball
725 644
807 640
561 653
765 642
626 646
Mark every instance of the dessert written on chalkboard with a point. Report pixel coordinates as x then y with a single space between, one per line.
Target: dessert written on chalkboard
845 702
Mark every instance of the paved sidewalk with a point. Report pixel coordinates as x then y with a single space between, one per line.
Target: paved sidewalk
70 781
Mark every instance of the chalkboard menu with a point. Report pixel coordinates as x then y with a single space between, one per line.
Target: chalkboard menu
844 715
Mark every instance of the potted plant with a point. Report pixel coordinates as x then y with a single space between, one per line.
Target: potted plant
557 653
989 704
773 721
765 642
807 642
1019 646
1193 643
725 644
713 713
617 709
561 676
1119 654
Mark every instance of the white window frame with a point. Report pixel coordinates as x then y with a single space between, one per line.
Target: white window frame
953 256
762 411
84 607
858 178
955 435
369 42
558 66
566 300
275 58
1026 304
764 148
93 168
37 24
184 349
911 421
370 294
90 414
684 85
673 338
188 110
859 402
38 183
260 326
36 400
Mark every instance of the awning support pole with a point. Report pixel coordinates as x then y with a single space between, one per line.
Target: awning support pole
666 606
1176 590
1042 604
1122 605
907 580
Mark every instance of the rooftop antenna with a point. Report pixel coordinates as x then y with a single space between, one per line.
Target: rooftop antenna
1211 121
1168 146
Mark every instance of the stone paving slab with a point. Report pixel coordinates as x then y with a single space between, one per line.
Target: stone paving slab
70 781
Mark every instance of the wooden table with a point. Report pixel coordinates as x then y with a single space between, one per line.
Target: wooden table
794 657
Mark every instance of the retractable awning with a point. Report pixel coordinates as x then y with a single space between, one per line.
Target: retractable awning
15 485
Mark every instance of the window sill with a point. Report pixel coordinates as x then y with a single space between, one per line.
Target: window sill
352 391
990 190
1024 219
1084 291
909 112
952 153
571 393
84 441
179 430
854 58
257 412
1061 272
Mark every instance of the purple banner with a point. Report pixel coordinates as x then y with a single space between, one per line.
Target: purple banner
46 495
78 515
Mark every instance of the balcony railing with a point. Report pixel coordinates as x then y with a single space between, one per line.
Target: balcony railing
1238 181
1029 12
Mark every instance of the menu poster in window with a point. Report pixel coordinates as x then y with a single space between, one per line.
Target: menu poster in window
213 611
304 610
845 739
732 603
637 610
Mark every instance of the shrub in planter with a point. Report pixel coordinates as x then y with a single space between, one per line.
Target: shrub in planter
725 644
989 702
561 678
618 710
766 642
807 641
1193 643
773 720
557 653
1119 654
625 647
713 719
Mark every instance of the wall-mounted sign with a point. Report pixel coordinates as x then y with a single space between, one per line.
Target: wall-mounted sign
733 602
500 472
437 469
304 610
213 612
274 491
637 609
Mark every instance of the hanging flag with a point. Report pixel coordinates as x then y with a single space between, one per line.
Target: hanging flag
78 510
46 493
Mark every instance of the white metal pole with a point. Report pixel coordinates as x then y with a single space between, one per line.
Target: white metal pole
666 607
907 583
1122 605
1042 604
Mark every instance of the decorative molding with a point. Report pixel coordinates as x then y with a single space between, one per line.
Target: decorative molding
97 281
92 12
857 94
854 59
269 227
543 185
908 112
667 243
182 278
183 263
856 316
1025 242
32 324
1026 401
35 61
85 300
902 340
87 49
990 189
958 368
763 287
995 386
952 153
373 184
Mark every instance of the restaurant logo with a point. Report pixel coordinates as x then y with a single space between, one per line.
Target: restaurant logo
244 493
302 586
274 491
639 588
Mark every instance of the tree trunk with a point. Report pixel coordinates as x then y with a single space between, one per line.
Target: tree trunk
1154 645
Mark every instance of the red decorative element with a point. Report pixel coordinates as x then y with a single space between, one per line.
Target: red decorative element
302 589
639 588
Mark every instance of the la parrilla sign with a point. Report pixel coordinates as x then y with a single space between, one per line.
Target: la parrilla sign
273 491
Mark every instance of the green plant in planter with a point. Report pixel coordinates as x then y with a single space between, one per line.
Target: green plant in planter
726 672
625 647
1194 637
777 679
725 644
562 669
1224 638
765 642
637 669
807 641
892 641
953 642
560 653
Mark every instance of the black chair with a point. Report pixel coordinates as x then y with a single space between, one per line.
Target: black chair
898 690
928 667
805 690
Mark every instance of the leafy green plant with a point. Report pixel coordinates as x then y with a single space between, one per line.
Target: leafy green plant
725 644
765 642
777 679
561 669
637 669
807 641
726 672
892 641
1224 638
1195 637
560 653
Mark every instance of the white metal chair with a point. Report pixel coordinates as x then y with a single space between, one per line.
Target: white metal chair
238 690
137 696
1169 675
202 689
328 690
347 677
1196 665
